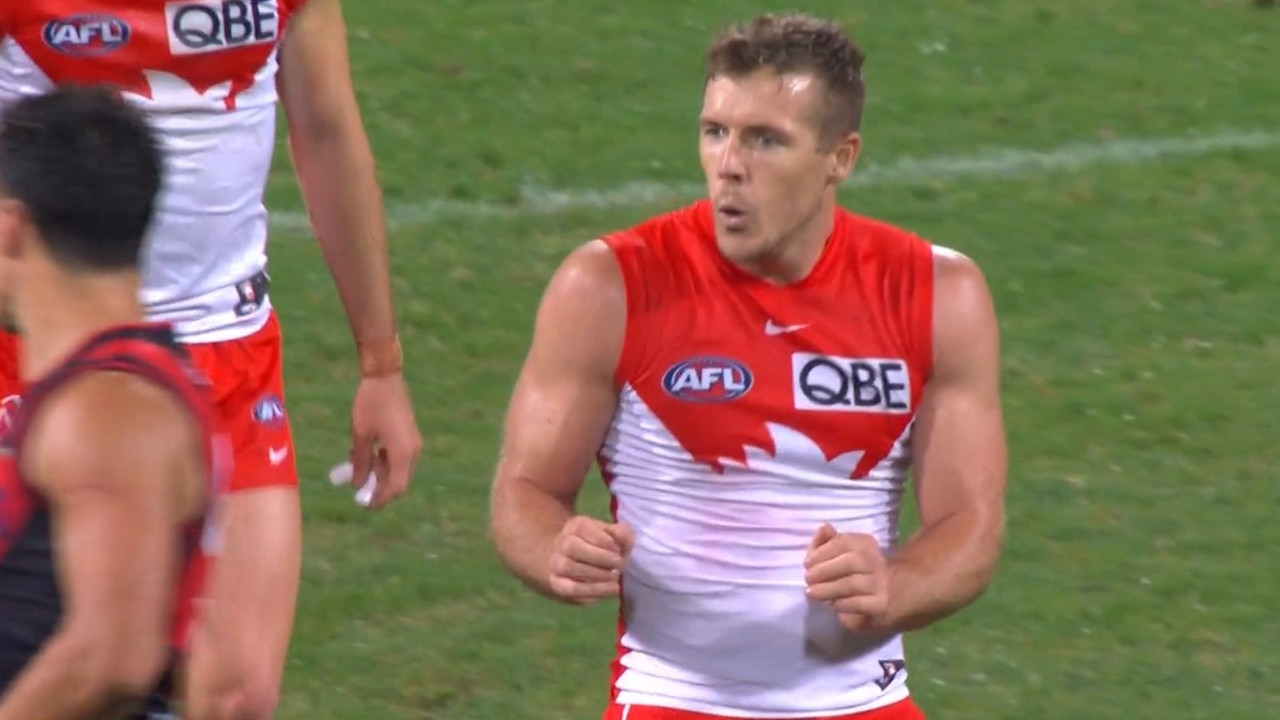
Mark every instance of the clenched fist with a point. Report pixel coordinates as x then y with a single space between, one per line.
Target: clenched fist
848 572
587 559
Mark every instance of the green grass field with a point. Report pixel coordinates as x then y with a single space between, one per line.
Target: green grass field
1133 261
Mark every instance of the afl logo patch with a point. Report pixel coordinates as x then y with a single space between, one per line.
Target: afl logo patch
707 379
269 411
86 35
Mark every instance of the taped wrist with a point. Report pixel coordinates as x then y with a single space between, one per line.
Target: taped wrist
379 358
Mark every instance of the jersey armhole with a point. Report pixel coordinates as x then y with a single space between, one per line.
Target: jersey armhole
923 306
625 246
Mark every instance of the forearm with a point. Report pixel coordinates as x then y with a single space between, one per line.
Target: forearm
335 169
941 569
69 680
525 523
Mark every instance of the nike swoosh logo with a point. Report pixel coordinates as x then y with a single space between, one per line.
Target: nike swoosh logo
277 455
772 328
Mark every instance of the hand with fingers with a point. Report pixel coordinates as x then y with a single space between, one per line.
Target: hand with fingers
588 558
848 572
385 441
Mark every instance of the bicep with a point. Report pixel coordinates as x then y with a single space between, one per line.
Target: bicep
565 396
959 441
314 80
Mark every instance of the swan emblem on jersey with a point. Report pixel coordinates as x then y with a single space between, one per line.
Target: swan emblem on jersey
794 454
172 91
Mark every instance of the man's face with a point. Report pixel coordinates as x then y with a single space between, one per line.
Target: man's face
765 161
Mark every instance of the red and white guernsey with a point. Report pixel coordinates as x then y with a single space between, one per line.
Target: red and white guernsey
750 414
205 70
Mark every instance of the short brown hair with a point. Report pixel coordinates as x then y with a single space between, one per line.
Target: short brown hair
797 43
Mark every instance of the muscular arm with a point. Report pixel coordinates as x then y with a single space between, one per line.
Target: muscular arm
959 457
560 410
107 454
335 169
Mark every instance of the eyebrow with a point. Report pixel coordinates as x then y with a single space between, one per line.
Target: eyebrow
754 127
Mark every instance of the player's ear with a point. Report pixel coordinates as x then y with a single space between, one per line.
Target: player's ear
844 157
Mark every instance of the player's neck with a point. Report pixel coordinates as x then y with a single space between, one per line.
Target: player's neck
798 253
60 311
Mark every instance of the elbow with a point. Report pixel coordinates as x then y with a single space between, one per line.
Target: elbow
517 528
523 524
330 138
133 664
136 682
990 544
224 685
506 548
971 542
119 668
241 701
502 520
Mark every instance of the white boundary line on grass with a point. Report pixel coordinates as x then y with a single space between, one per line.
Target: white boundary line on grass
988 164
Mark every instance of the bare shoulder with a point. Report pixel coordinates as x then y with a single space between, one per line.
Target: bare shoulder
589 272
959 285
583 313
966 332
109 427
956 273
315 11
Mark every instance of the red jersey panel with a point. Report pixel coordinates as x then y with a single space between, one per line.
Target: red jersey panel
749 415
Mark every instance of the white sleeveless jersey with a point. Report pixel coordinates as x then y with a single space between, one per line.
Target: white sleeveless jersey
750 415
205 71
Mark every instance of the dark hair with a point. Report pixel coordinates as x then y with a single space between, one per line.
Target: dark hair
87 166
797 43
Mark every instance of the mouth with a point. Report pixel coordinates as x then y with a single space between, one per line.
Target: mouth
730 212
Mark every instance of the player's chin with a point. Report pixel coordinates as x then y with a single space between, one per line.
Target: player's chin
739 245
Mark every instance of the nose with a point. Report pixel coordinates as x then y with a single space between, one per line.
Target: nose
731 167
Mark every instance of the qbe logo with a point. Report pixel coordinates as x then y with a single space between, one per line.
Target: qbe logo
840 384
204 26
